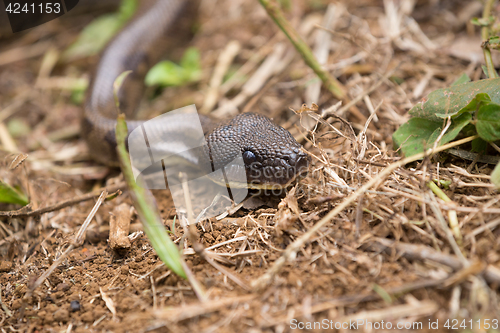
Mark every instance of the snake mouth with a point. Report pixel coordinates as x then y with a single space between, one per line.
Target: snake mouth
254 185
279 184
256 176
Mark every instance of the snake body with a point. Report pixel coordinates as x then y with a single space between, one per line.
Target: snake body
271 155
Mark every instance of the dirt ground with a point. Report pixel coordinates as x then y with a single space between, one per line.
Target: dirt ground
385 260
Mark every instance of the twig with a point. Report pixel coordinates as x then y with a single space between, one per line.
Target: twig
197 246
449 235
291 252
199 309
355 299
276 14
485 35
196 285
490 225
366 92
452 214
470 156
421 252
23 213
271 66
322 50
24 52
225 60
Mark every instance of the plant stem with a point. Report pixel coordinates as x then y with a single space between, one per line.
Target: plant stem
485 35
300 45
452 214
146 209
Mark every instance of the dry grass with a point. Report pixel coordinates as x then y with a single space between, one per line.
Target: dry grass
355 240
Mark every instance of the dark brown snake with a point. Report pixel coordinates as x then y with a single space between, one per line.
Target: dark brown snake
272 157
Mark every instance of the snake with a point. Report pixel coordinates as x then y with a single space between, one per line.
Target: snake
272 157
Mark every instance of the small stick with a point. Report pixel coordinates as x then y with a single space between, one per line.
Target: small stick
485 34
276 14
119 227
197 246
23 213
452 214
354 299
225 60
366 92
421 252
199 309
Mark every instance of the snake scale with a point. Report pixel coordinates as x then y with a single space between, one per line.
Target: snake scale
272 157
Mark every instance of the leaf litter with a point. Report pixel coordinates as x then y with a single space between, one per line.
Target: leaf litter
389 255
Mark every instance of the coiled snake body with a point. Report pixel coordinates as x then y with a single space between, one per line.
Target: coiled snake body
271 155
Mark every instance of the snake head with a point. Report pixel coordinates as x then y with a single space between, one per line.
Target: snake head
270 155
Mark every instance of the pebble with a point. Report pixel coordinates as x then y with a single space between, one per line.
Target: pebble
74 306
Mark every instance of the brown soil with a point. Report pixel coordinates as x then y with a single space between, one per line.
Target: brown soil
341 274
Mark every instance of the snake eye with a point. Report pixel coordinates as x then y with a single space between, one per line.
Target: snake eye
248 157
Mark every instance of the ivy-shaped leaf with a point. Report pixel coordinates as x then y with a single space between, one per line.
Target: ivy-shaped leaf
419 134
446 102
168 73
488 122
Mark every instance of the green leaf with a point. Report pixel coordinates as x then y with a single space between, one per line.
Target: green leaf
495 176
464 78
9 194
446 102
99 32
475 104
167 73
494 42
488 122
419 134
412 137
444 183
457 124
